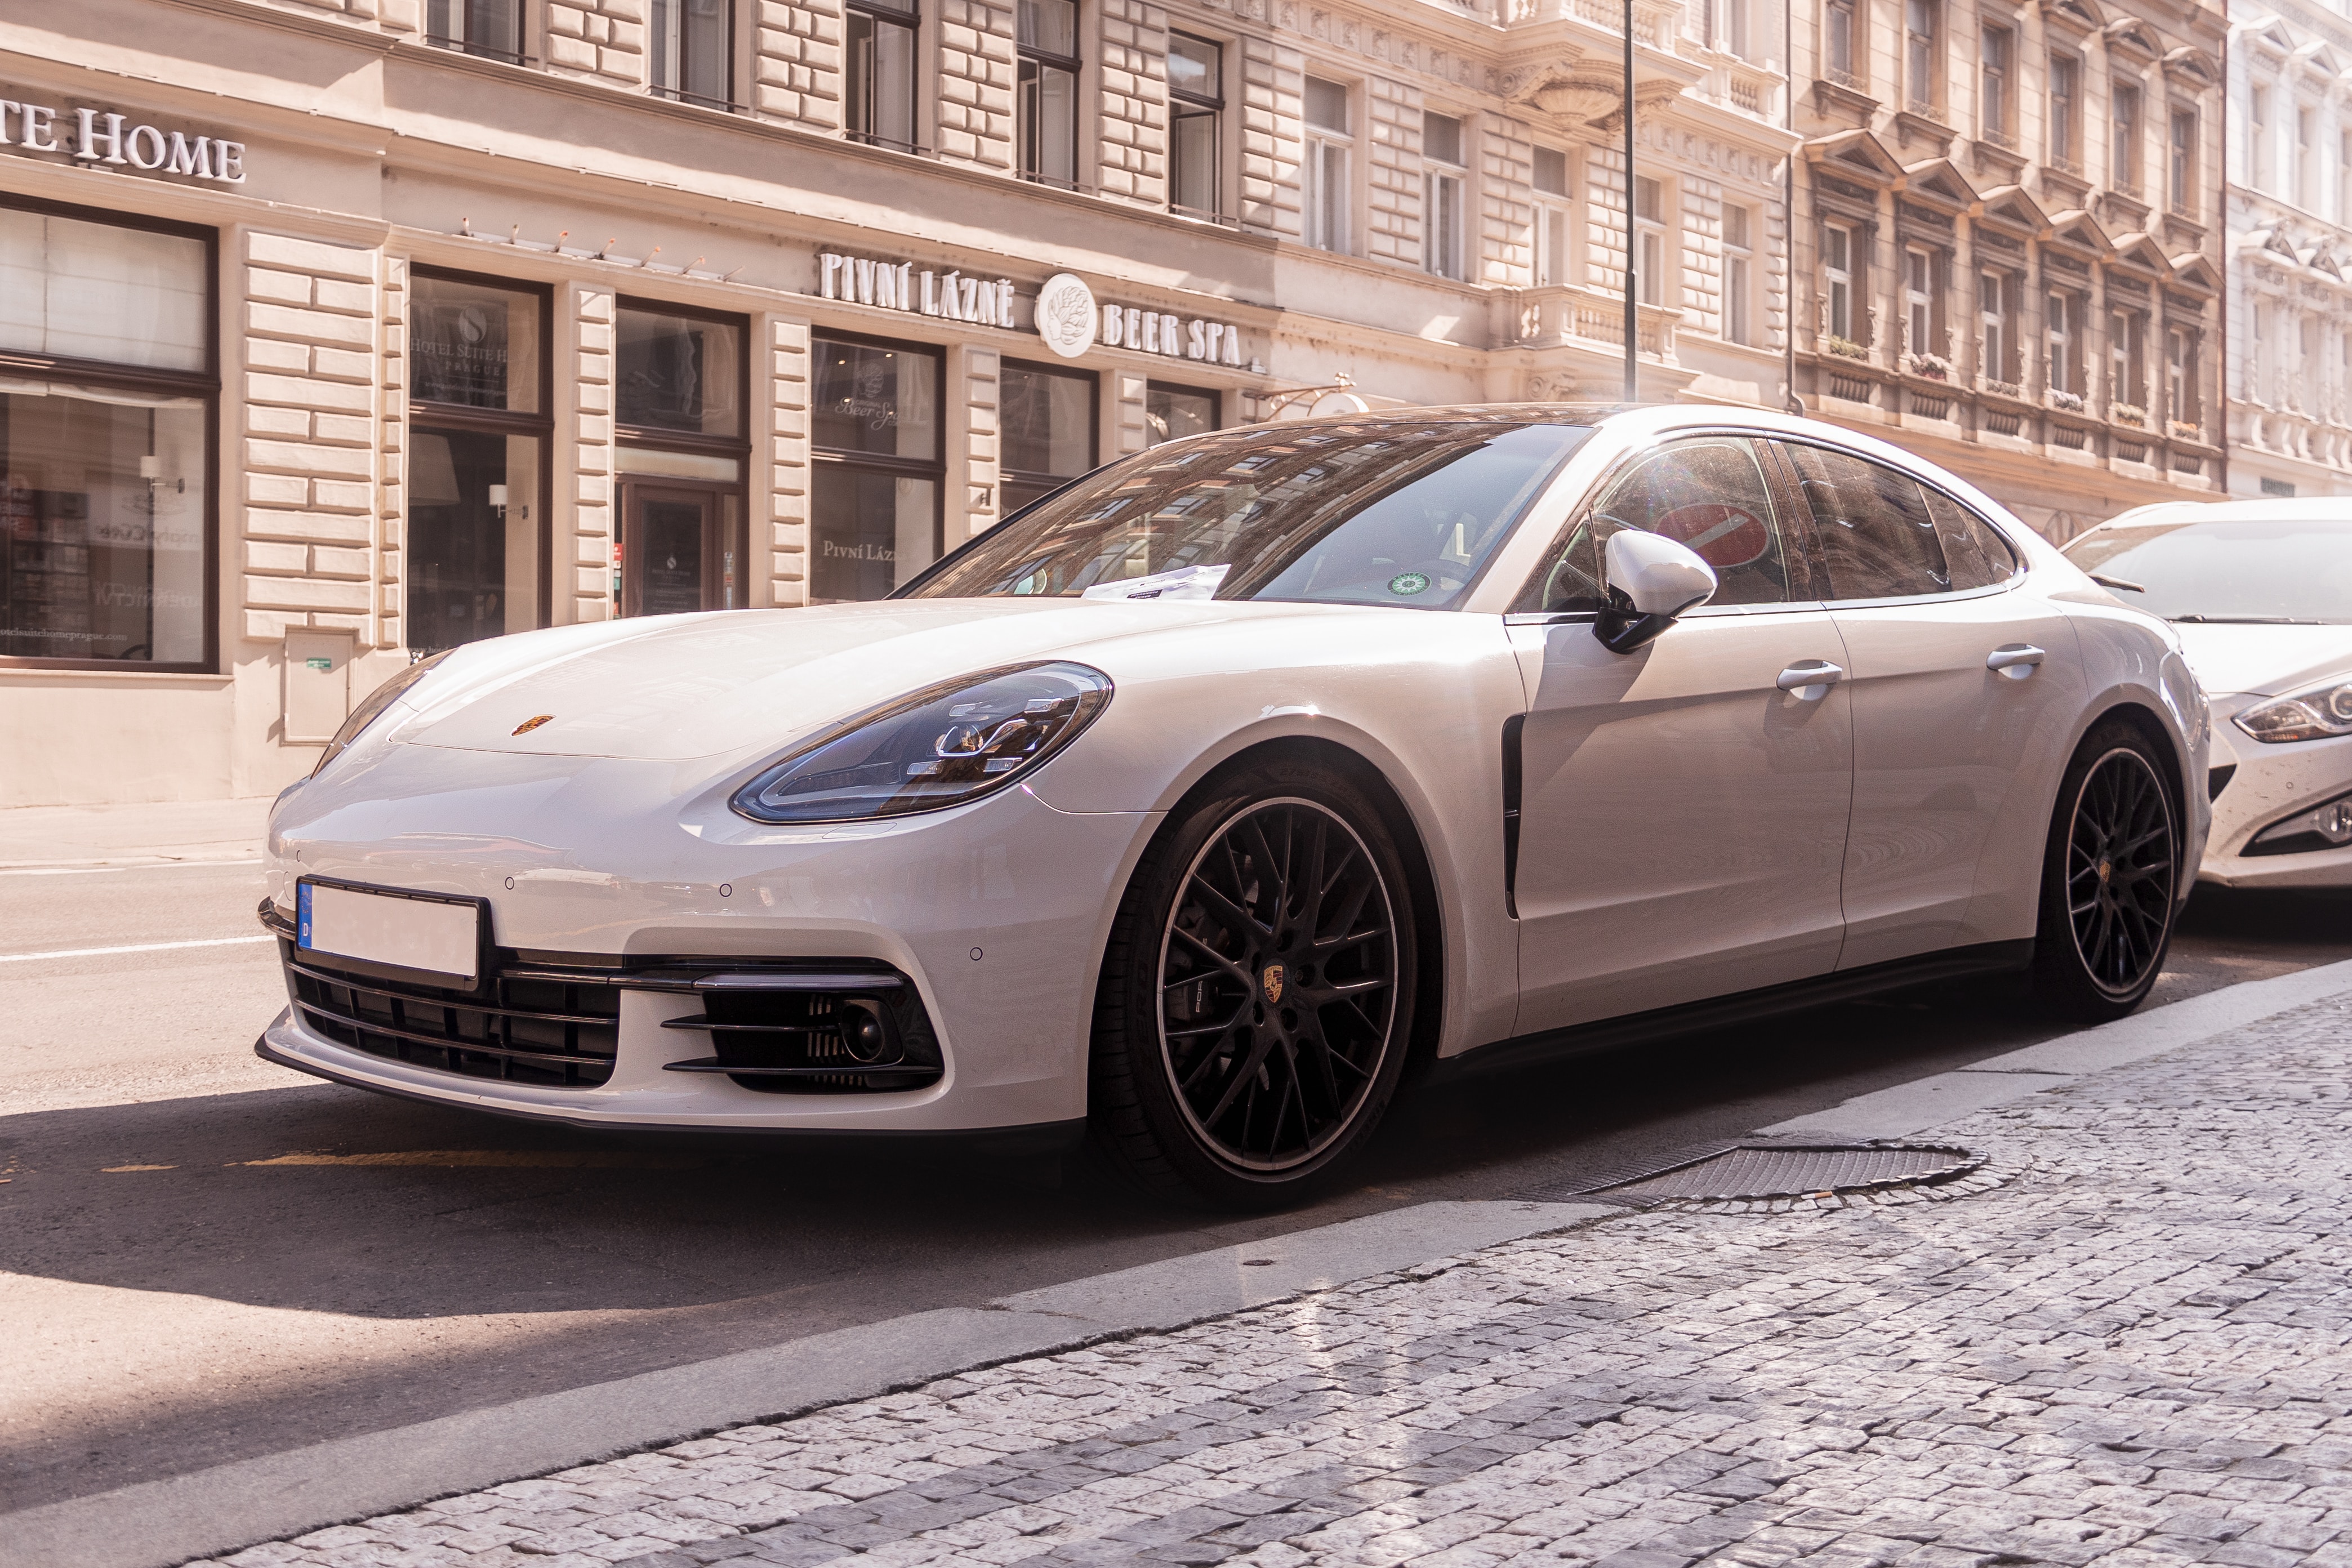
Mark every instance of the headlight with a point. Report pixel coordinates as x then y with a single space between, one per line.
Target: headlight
381 698
2311 715
941 746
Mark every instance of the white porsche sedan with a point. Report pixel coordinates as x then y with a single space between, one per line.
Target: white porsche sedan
1201 799
2261 591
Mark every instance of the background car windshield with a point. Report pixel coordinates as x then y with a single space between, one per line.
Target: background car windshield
1390 512
2266 571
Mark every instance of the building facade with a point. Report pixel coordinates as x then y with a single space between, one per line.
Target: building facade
2290 250
2009 243
334 331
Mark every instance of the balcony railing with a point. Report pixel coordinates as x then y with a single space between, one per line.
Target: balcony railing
1554 317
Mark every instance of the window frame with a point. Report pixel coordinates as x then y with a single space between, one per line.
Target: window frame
934 469
1553 259
2124 156
2062 129
877 13
424 415
693 443
1997 84
1923 55
655 53
1447 245
1844 53
1923 307
1029 67
205 385
2261 157
2180 377
1839 279
1654 233
2000 319
2061 342
2181 159
465 44
1803 508
1216 406
2126 358
1185 105
1738 319
1043 482
1315 194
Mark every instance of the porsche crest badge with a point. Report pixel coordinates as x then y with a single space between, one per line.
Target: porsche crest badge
534 722
1271 980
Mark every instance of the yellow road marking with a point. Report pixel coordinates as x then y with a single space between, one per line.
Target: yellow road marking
117 1169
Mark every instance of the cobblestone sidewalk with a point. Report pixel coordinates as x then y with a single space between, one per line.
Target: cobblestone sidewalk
2136 1352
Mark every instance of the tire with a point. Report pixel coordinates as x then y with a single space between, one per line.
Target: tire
2108 877
1249 1030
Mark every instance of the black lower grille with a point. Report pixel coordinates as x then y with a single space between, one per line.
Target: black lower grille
558 1033
814 1033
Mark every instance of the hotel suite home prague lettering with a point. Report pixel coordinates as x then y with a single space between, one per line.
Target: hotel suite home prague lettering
334 333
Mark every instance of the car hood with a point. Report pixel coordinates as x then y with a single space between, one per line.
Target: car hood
2263 661
686 687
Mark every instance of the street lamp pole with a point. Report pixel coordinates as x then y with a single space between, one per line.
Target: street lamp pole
1633 312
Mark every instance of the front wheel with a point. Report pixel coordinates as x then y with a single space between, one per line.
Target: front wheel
1257 996
2108 879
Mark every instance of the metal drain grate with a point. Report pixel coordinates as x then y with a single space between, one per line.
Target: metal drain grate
1776 1170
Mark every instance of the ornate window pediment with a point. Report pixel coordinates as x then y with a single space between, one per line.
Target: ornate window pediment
2014 207
1938 183
1856 155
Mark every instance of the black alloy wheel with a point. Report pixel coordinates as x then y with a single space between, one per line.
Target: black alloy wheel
1257 1000
2108 892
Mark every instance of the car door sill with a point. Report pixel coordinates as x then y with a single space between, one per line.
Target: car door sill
1741 1007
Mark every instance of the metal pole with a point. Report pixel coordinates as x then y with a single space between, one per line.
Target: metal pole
1632 312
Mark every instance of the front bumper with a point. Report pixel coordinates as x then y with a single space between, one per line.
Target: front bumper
995 913
2271 783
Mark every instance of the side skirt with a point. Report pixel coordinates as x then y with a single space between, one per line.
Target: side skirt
1744 1007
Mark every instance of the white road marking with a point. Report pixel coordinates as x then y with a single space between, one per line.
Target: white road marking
143 947
126 865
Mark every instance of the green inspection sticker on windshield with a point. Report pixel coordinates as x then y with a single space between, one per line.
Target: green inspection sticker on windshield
1406 584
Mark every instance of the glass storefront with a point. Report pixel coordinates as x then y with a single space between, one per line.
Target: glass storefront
680 546
477 464
105 414
1173 412
1048 420
876 520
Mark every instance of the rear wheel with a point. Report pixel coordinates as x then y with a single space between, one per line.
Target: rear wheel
1258 993
2108 877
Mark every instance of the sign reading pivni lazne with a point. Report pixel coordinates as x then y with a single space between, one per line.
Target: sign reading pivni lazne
102 137
1065 315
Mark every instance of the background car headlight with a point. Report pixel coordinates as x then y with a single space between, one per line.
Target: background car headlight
939 747
2311 715
369 712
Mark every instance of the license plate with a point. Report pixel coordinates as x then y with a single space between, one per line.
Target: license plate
436 935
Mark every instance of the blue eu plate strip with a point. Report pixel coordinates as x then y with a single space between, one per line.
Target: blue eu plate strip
302 914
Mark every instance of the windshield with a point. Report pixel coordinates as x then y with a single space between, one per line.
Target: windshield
1399 512
2269 570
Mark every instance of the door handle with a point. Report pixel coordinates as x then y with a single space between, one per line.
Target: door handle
2016 660
1811 680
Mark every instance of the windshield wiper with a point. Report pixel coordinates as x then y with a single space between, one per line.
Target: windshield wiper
2255 620
2123 584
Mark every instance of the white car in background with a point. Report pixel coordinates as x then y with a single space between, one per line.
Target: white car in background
2261 591
1201 797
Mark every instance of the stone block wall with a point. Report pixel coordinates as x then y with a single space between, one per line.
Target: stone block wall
783 523
1503 250
1392 172
1128 431
796 63
309 431
976 83
602 39
974 442
1272 137
583 574
1133 148
392 471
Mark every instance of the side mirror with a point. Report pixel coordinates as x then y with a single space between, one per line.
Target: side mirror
1650 580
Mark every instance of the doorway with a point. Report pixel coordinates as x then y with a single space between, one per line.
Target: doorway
677 552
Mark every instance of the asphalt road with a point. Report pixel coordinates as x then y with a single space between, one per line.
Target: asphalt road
208 1258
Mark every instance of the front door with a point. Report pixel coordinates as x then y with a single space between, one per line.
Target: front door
1683 810
673 558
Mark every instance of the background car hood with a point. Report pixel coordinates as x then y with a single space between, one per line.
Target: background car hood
701 685
2263 661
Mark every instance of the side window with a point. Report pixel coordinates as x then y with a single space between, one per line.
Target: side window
1978 556
1876 536
1707 493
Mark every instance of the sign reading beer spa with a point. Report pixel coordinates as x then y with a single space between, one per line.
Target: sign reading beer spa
101 136
1064 314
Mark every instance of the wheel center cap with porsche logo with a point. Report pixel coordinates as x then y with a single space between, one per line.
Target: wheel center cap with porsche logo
2106 869
1270 982
528 725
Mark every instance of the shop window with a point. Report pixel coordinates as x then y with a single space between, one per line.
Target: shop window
879 467
1324 173
1555 259
1048 421
2123 158
691 43
1048 99
475 554
1196 102
1442 182
881 85
492 28
107 420
1172 412
679 543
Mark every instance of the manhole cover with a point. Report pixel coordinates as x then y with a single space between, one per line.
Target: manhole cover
1778 1171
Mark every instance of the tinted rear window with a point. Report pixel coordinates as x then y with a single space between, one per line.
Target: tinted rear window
2267 571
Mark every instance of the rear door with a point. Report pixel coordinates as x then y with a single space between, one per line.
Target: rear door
1965 687
1683 812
